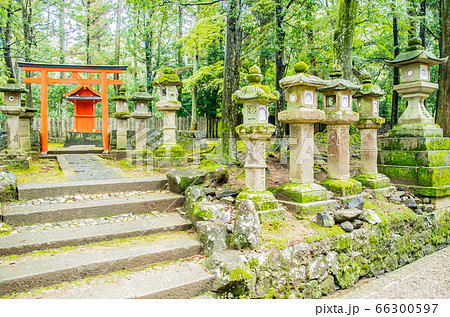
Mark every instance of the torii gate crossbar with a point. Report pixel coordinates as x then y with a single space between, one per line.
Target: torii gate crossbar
44 80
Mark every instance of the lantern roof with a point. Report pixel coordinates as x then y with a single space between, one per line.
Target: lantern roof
141 95
415 53
168 78
302 78
369 89
338 83
255 90
13 86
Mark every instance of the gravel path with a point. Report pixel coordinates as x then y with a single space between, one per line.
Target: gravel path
426 278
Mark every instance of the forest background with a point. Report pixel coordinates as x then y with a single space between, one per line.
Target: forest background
211 44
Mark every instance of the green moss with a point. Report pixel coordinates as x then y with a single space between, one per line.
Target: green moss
167 78
323 232
300 193
174 151
300 67
207 163
121 115
374 181
344 187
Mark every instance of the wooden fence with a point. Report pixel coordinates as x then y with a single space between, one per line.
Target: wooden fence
58 126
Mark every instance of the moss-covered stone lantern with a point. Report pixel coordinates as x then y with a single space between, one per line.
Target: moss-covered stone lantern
337 104
141 99
301 113
13 155
416 155
121 116
368 103
255 131
168 154
25 120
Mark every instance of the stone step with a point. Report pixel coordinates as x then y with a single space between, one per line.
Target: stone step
27 215
74 151
416 175
180 281
27 274
41 190
24 242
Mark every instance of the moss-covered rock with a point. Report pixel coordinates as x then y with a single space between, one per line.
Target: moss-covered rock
8 186
300 193
232 272
342 187
213 236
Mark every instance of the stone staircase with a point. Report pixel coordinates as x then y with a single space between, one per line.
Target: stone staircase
131 244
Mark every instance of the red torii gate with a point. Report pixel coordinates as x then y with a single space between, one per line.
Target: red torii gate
44 80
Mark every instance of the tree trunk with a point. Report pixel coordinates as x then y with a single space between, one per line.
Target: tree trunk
231 79
422 30
5 32
280 65
61 36
443 112
412 32
88 31
26 10
396 78
194 95
179 37
148 61
117 44
343 44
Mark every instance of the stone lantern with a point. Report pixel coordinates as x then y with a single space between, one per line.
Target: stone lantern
13 155
140 115
301 113
337 104
416 155
121 115
168 154
255 131
368 104
25 130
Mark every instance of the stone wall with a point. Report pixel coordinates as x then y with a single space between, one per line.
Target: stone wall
312 270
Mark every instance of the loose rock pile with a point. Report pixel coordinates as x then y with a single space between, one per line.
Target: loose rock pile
418 205
349 218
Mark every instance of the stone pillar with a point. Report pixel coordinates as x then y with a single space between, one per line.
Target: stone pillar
25 133
13 155
168 154
255 131
416 155
337 103
140 155
368 124
121 116
302 194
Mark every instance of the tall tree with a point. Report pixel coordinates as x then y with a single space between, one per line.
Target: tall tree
422 29
443 112
6 34
27 13
396 77
343 36
232 65
117 42
280 64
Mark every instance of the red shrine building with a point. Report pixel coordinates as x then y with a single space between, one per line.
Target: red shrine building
84 98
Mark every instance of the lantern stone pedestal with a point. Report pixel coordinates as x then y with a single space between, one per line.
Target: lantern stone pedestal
255 131
369 122
121 116
141 155
169 154
337 103
302 195
25 133
13 155
416 155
